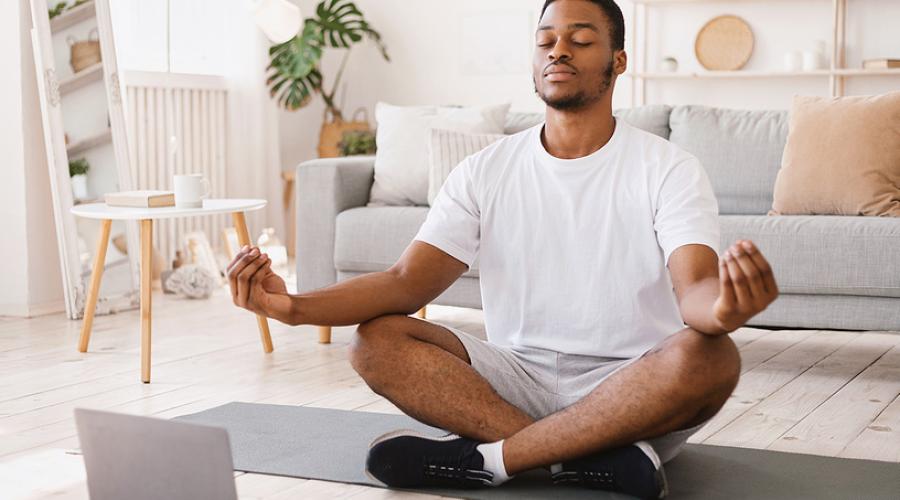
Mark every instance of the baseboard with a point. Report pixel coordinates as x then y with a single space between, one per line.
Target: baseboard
32 310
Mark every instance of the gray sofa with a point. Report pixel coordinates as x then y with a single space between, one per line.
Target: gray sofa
834 272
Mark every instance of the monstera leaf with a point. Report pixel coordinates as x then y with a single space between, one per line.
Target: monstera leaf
294 74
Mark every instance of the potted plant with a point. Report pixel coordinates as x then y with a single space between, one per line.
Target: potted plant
78 170
294 66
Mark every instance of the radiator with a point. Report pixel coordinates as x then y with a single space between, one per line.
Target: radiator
177 124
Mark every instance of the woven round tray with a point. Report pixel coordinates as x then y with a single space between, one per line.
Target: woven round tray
724 43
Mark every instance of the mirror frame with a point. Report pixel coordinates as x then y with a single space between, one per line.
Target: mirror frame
58 160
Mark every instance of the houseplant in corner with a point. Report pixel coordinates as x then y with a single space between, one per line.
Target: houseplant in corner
294 66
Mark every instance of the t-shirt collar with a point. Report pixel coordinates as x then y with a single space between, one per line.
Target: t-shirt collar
592 159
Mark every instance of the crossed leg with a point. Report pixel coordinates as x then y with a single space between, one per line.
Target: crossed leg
425 371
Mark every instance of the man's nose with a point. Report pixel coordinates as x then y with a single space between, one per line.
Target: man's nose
560 52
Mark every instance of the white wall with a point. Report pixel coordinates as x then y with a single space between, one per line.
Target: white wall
29 262
425 41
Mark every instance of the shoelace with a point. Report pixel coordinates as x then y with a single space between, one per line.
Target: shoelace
604 477
452 468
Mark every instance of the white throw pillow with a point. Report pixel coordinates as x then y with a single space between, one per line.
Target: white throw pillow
447 148
401 162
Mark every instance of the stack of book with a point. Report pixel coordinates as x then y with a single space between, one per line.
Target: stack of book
141 199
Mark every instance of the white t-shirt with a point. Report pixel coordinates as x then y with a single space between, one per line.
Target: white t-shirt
572 253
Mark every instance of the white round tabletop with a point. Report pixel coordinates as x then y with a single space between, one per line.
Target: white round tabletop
211 206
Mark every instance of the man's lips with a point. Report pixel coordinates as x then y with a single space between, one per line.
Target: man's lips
559 74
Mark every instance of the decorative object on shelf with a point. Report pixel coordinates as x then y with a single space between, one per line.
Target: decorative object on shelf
57 9
78 170
84 53
793 61
358 143
882 63
192 281
724 43
668 65
294 68
814 59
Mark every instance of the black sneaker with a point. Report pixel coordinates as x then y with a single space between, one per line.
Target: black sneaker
634 470
406 459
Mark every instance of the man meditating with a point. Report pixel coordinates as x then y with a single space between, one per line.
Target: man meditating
606 305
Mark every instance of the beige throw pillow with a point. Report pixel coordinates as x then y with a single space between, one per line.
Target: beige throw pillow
447 148
842 157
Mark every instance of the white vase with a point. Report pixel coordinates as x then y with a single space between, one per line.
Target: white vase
79 187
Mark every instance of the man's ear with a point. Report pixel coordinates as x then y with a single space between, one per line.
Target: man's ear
620 61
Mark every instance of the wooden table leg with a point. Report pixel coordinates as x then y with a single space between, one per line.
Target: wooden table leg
240 225
94 289
146 297
421 312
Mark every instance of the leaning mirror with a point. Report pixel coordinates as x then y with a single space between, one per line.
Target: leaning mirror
84 136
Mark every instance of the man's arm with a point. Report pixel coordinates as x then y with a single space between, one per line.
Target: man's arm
421 274
717 296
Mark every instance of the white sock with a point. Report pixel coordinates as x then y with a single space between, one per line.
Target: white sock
493 461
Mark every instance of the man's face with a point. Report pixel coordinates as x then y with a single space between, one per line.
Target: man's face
573 60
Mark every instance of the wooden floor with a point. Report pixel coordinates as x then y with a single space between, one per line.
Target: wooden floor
826 393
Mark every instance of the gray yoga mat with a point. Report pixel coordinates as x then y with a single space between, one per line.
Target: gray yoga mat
316 443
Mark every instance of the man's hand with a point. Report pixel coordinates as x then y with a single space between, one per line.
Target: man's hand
252 281
746 285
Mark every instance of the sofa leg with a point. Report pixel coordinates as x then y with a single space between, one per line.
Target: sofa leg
421 312
324 334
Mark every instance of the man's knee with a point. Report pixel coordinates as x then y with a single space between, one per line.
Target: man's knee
710 363
371 341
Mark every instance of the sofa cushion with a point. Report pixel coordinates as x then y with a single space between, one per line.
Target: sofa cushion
741 151
369 239
824 255
653 118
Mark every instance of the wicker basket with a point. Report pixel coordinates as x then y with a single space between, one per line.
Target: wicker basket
333 130
84 53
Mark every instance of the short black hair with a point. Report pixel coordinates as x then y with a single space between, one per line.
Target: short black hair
613 15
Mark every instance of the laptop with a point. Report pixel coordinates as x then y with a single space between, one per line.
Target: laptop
141 458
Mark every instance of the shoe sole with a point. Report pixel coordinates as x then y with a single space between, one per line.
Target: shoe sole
403 433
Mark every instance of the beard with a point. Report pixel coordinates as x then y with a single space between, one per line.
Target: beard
581 98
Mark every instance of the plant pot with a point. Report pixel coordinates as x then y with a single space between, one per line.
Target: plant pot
79 187
333 131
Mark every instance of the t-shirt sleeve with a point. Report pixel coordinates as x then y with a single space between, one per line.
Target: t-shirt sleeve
686 210
454 221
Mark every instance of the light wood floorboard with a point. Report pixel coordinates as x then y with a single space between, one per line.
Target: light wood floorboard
827 393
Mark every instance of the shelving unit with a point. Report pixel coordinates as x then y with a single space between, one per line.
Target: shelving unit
836 72
72 17
84 77
88 143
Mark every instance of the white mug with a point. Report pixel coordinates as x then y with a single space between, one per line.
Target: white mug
190 190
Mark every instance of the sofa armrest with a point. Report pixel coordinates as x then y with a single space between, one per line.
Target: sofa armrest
325 188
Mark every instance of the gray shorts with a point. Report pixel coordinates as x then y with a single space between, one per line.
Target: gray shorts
541 382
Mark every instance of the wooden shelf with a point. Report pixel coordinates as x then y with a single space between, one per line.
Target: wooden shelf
87 143
663 2
766 74
82 78
73 16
